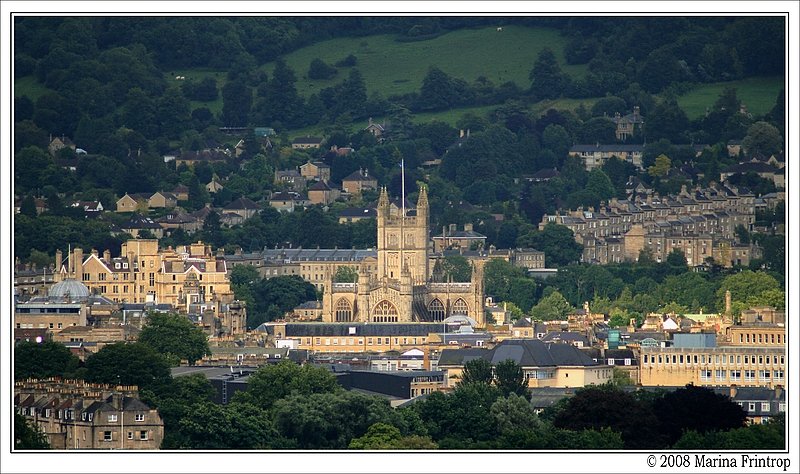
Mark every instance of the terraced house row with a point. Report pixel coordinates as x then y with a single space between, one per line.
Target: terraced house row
701 223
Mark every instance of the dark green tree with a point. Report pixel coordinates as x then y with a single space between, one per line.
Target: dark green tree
556 241
331 420
552 307
602 407
27 435
476 371
42 360
28 206
175 337
762 138
274 382
454 268
319 69
128 364
437 91
509 378
547 79
697 409
668 121
237 99
386 436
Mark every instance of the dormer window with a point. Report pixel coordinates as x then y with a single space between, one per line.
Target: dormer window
124 265
116 265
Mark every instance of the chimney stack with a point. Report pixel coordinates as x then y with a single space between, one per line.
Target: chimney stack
78 263
733 391
107 255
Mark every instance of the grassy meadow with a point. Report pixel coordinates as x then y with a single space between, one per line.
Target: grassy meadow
757 93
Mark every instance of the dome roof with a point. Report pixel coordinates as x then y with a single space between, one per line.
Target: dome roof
71 288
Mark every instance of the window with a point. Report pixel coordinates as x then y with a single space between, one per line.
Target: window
764 406
101 276
778 375
143 435
782 407
112 418
460 307
720 375
736 375
436 310
139 417
764 375
130 434
749 375
344 311
106 436
751 406
705 375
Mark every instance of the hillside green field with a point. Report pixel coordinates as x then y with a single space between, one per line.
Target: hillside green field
757 93
392 67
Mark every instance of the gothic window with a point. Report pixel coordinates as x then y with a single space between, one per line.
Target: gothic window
385 312
436 310
344 312
460 307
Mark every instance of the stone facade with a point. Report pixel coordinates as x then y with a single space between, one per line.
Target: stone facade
701 223
190 278
74 414
399 289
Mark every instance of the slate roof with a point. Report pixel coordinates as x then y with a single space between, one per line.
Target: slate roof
565 336
285 196
140 222
751 167
320 186
359 176
525 352
242 203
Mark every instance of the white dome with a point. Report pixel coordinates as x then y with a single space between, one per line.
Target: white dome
69 288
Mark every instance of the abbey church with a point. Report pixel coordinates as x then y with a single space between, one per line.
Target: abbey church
396 286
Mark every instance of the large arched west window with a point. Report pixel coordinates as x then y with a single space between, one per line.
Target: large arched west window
460 308
344 312
384 312
436 310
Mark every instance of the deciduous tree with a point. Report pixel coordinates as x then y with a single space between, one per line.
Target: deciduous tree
175 337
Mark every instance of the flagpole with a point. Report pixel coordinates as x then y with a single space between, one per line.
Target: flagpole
403 179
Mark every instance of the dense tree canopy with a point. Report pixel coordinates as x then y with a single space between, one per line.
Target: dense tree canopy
43 360
128 364
174 336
